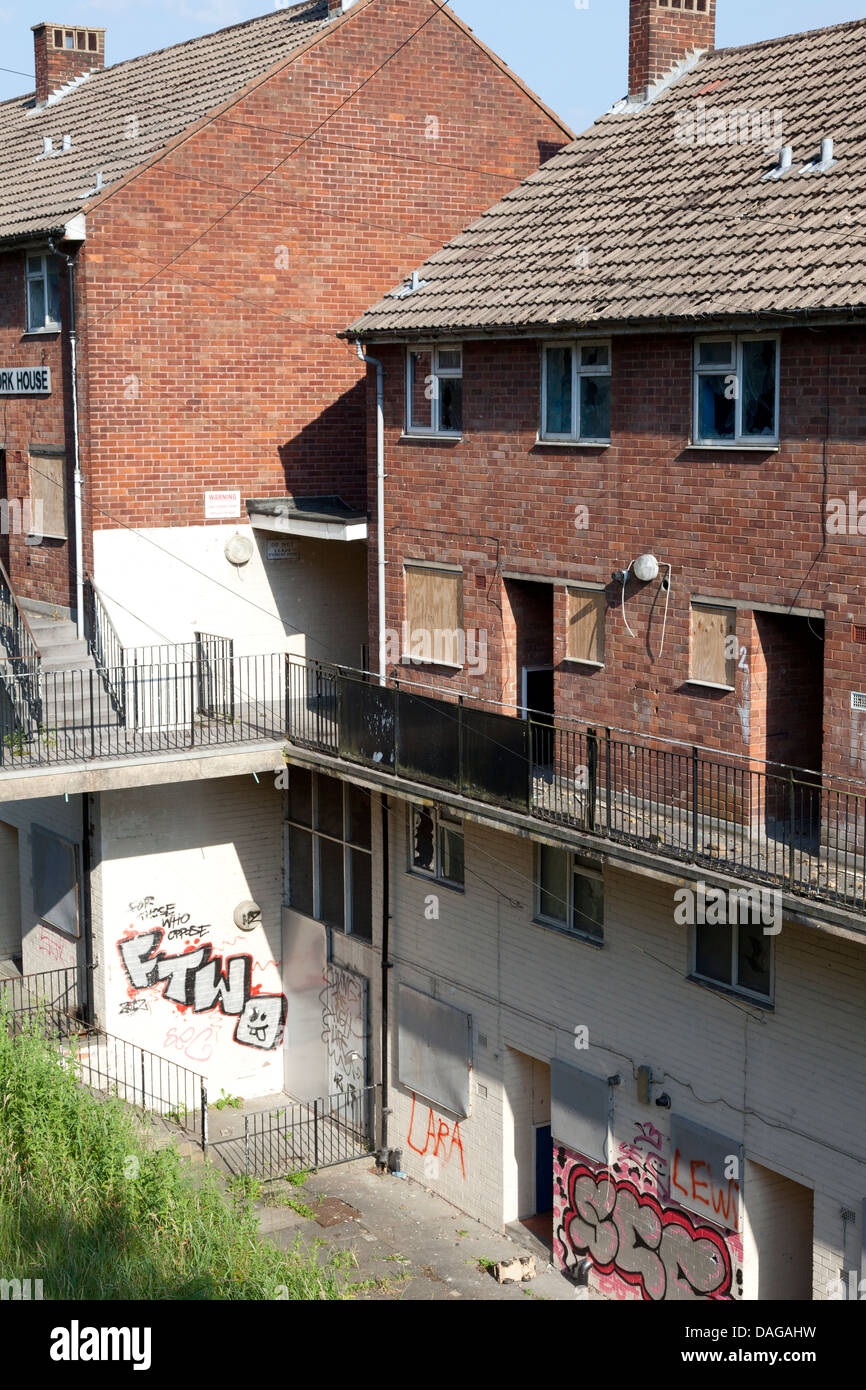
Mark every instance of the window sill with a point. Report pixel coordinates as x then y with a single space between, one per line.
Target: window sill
730 992
582 661
423 661
570 935
542 443
41 332
731 446
710 685
439 882
421 437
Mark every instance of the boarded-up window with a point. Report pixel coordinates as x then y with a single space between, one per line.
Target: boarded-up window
585 639
48 495
714 645
434 1050
433 616
55 880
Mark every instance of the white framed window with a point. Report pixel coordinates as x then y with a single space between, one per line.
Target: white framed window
436 845
569 892
329 850
43 293
736 390
737 955
575 392
434 390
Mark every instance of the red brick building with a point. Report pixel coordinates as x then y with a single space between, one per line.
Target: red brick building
227 205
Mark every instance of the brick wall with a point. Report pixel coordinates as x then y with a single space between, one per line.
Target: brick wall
44 571
743 527
212 356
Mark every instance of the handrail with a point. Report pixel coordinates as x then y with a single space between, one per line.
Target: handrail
105 645
6 583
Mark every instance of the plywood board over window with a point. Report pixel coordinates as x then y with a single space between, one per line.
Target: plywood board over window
713 653
48 487
585 637
433 605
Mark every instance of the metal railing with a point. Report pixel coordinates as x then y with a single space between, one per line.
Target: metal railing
799 830
163 710
310 1134
105 647
63 997
20 667
112 1066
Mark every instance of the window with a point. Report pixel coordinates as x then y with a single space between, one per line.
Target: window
48 495
434 616
434 390
570 892
585 636
713 646
436 845
736 390
55 880
329 852
737 955
576 392
43 294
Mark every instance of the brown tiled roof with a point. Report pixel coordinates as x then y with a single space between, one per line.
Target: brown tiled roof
632 223
162 93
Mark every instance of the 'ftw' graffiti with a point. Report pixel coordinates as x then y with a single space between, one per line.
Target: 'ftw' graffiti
195 980
658 1251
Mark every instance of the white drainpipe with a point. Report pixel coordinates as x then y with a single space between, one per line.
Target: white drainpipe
380 506
77 490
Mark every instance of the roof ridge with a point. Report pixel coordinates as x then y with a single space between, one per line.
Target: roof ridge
297 10
787 38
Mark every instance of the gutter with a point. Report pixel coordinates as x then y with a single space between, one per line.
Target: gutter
380 505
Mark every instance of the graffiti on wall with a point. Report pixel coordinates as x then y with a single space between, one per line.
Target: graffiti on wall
642 1160
658 1252
195 980
443 1138
343 1007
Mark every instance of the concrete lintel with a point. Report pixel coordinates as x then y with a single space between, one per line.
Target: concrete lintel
72 779
824 917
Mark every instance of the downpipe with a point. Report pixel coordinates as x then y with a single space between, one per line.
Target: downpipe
380 507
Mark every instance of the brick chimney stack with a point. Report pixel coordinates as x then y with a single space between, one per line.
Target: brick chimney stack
62 52
661 33
338 6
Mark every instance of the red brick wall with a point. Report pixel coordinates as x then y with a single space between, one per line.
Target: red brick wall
660 34
212 355
57 66
44 571
734 525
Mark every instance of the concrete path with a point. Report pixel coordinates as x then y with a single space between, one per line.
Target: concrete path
402 1241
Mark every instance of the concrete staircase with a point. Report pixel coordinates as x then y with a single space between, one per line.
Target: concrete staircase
71 698
60 647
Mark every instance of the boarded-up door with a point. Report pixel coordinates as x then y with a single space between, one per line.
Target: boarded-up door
344 1030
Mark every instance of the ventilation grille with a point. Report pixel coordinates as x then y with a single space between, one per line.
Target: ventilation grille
859 632
858 699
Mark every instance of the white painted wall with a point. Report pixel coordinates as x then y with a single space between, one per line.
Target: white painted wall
164 584
789 1083
778 1236
206 848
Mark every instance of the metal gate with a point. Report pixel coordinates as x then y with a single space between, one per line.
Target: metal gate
215 686
310 1134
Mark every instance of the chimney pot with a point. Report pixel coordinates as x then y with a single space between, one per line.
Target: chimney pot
663 32
63 52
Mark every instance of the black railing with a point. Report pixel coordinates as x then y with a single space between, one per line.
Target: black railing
798 830
105 647
216 685
20 663
112 1066
63 997
163 711
310 1134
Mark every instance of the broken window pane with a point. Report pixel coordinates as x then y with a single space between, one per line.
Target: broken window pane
595 407
558 403
759 388
423 845
451 403
451 853
595 355
588 907
717 354
753 959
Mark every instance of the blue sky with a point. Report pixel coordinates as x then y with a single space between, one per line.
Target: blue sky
573 57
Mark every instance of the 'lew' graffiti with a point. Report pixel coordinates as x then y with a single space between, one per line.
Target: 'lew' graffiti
658 1251
195 980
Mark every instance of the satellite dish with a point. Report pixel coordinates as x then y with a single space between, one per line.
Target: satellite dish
239 550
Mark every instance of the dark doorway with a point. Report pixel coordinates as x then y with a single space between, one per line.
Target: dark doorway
786 720
538 703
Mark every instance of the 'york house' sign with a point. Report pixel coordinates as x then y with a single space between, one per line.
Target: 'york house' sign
25 381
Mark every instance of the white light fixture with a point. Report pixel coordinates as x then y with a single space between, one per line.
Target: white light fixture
646 568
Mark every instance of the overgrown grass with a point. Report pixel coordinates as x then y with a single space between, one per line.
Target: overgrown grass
95 1213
